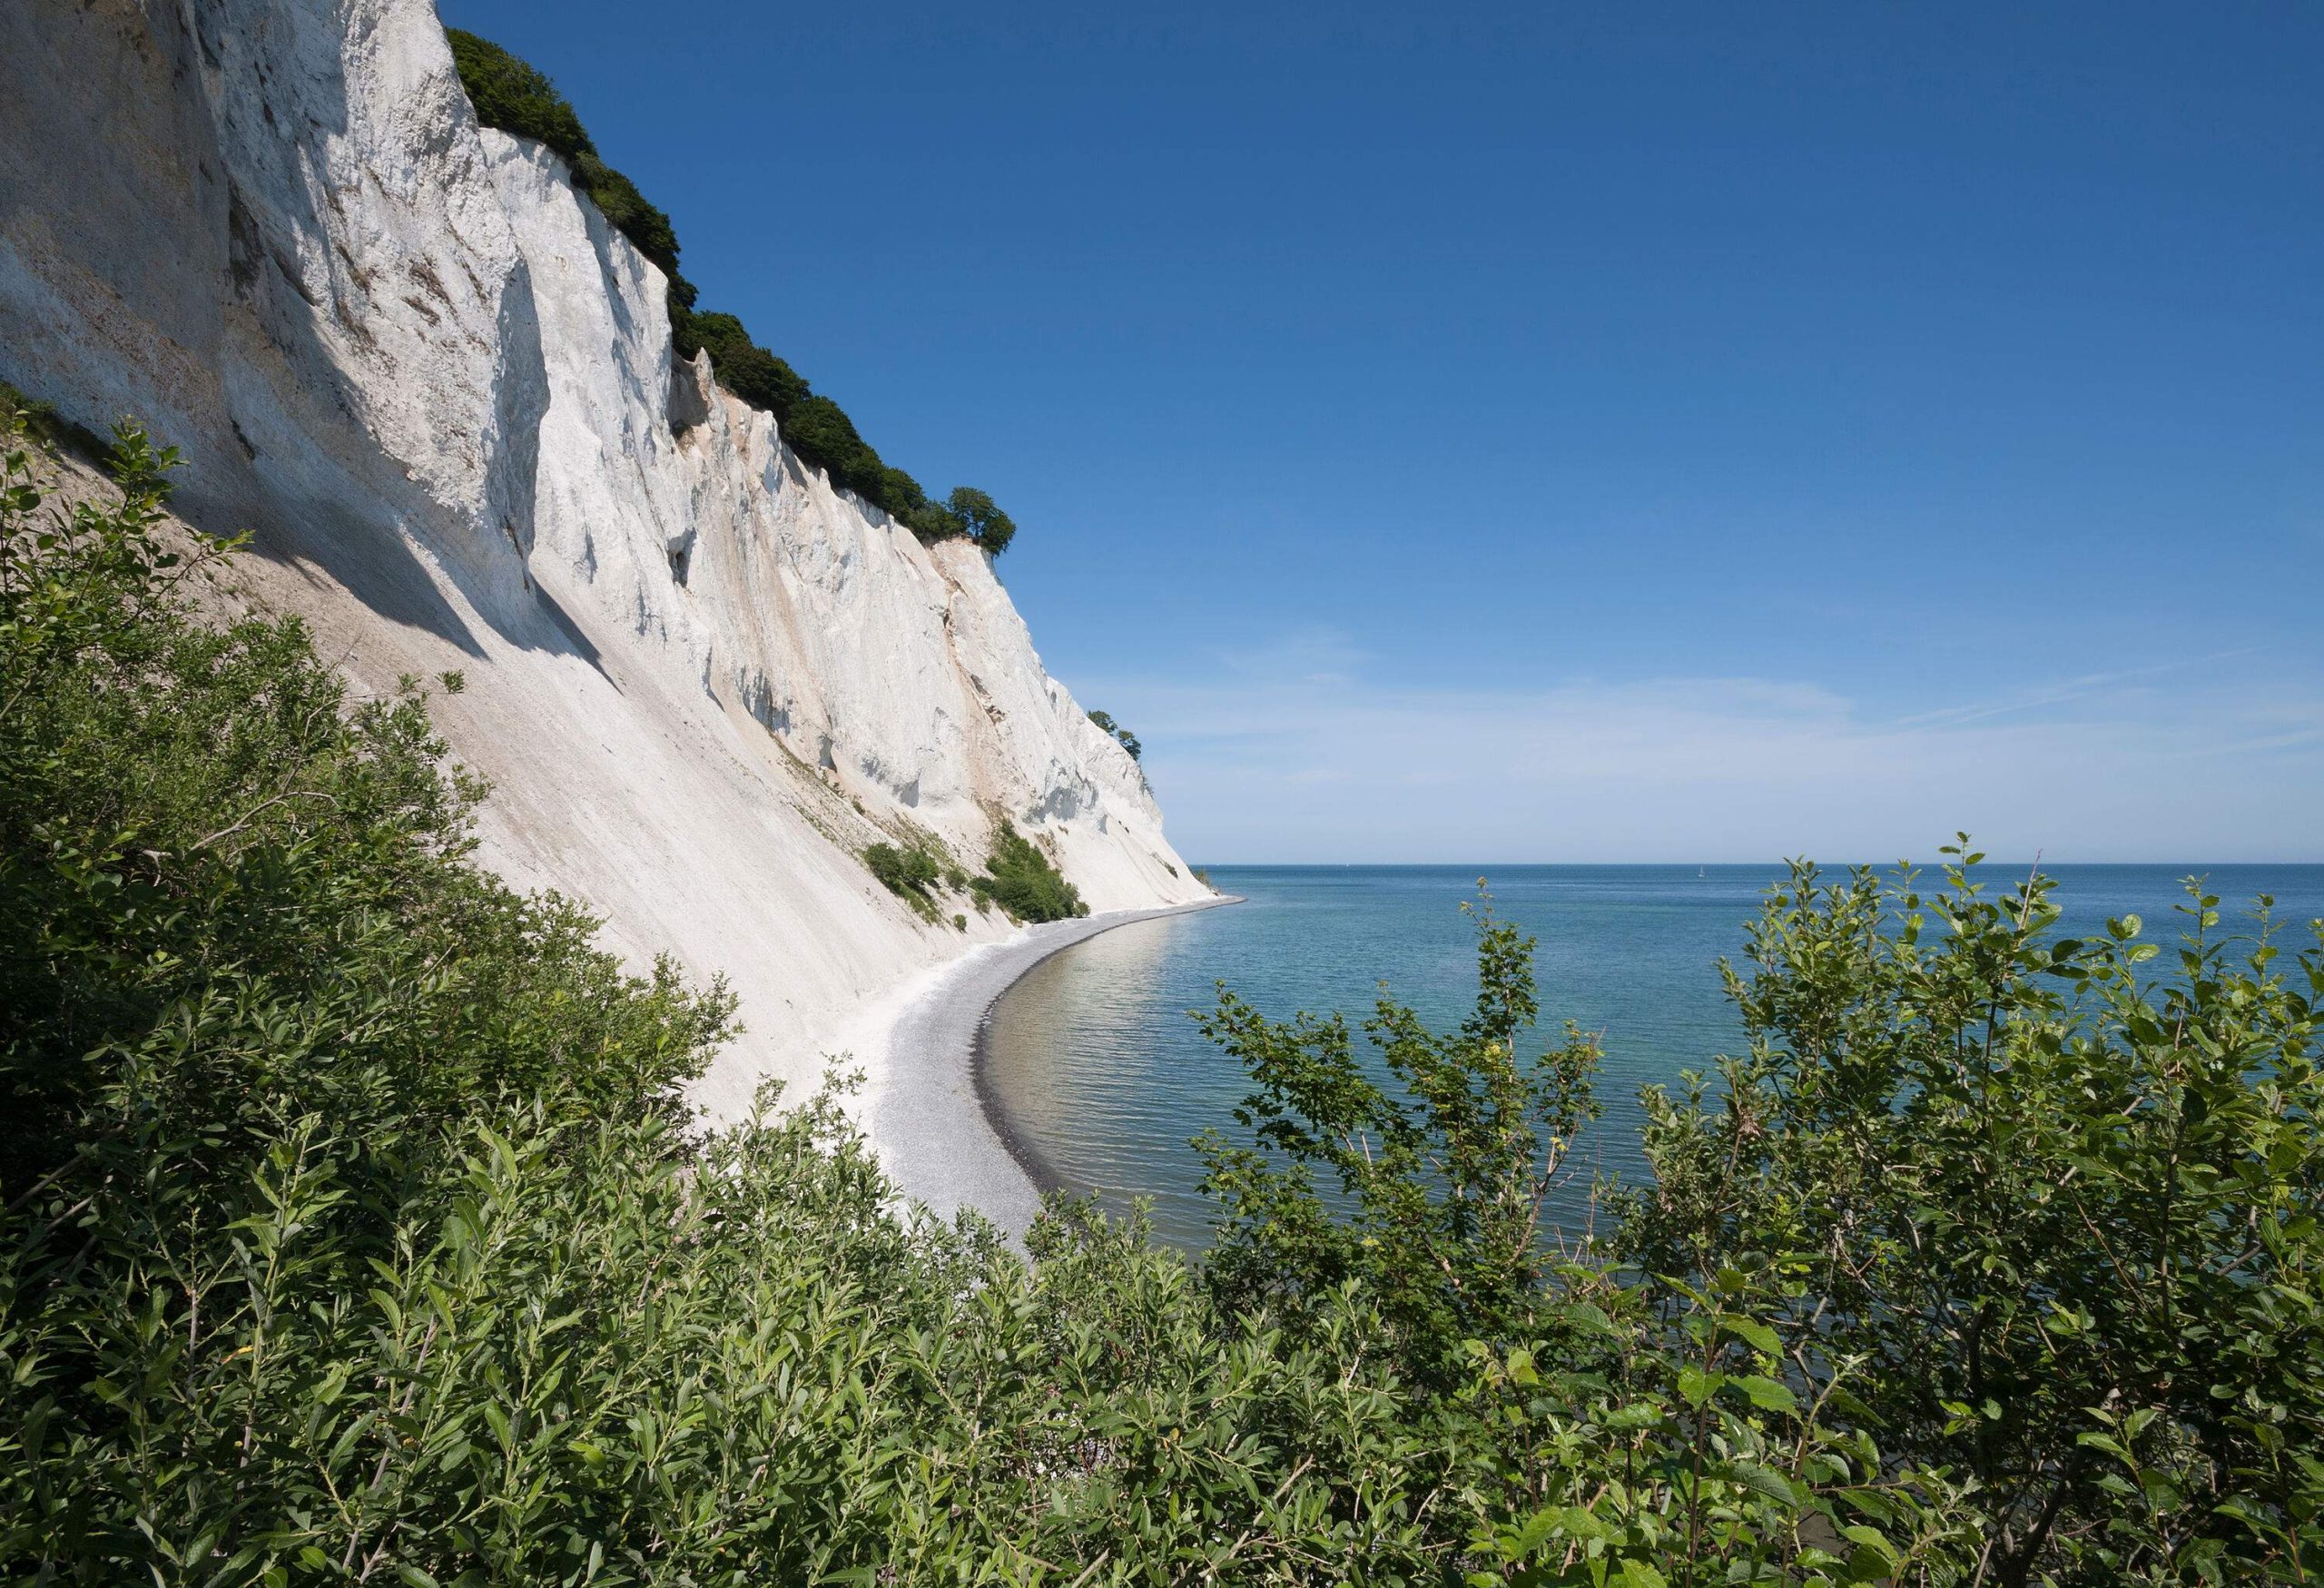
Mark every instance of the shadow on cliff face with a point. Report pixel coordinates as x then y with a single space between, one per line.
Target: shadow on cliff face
172 247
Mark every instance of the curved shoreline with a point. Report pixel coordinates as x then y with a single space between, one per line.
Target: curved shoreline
1037 1169
933 1119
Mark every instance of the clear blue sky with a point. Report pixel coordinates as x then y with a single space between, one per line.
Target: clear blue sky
1611 432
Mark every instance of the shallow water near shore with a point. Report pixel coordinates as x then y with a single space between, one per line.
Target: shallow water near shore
1100 1076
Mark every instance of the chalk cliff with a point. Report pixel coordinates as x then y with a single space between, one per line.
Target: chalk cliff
439 392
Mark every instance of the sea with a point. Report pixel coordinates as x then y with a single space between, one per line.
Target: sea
1100 1077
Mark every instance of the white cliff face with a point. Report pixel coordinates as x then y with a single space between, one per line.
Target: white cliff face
899 668
439 392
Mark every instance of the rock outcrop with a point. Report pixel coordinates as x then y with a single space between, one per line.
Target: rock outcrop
438 391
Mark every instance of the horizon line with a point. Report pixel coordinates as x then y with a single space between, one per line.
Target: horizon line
1988 862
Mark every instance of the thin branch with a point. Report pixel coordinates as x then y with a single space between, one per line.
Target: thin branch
251 815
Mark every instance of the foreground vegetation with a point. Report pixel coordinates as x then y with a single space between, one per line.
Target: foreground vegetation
517 97
353 1229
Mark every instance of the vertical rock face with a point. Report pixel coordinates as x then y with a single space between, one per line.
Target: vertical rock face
438 391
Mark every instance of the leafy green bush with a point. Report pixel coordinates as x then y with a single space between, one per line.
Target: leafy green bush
902 870
509 93
744 369
1438 1180
820 428
627 211
2047 1232
1020 879
972 512
908 873
2069 1213
517 97
195 828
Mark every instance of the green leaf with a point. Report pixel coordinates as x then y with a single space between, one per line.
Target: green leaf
1871 1538
1768 1394
1697 1387
1765 1481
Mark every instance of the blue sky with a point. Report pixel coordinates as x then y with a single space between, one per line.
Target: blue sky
1640 432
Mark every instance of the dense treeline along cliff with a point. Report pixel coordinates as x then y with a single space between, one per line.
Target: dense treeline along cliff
702 675
514 96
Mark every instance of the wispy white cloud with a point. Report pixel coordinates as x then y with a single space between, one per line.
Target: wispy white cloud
1315 658
2062 691
1292 755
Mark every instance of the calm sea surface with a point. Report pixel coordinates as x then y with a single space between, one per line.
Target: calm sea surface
1102 1076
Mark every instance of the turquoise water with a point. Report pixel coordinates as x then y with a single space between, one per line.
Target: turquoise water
1101 1076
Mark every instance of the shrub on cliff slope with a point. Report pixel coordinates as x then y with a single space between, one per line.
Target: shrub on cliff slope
908 873
1021 880
517 97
